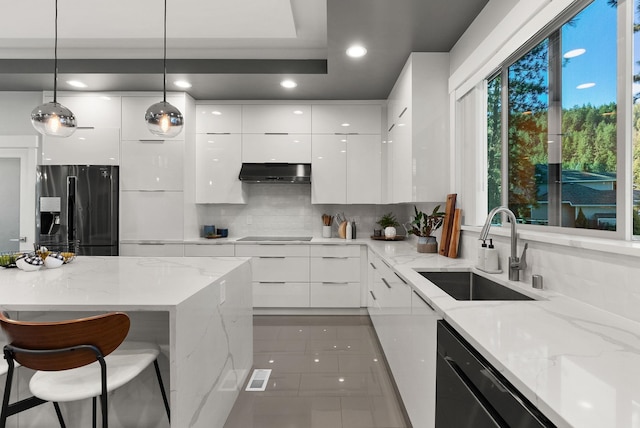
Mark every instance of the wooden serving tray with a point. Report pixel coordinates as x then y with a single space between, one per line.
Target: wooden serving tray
384 238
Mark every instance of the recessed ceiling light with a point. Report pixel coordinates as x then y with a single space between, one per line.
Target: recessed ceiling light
77 84
216 112
586 85
356 51
574 53
289 84
182 84
346 124
105 98
298 112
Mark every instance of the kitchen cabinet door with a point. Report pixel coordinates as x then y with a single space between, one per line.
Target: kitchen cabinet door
218 118
134 127
152 165
151 249
364 164
209 250
150 216
276 118
329 169
93 146
287 148
274 294
334 294
94 111
218 162
346 119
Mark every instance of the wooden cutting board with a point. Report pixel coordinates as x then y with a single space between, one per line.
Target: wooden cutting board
447 224
455 234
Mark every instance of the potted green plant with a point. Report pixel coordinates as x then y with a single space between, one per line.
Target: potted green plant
388 223
423 225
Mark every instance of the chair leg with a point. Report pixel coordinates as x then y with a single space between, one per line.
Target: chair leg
93 411
7 392
59 414
105 410
164 393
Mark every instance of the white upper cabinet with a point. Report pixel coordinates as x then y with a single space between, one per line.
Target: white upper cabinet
148 216
218 162
276 148
364 176
276 119
94 111
152 165
346 119
329 169
99 146
418 139
218 119
134 127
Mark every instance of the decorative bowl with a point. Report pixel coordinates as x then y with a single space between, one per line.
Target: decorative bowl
54 260
30 263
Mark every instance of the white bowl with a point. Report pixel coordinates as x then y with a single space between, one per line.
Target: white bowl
23 265
52 262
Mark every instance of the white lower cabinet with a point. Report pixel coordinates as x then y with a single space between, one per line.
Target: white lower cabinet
280 274
335 276
209 250
406 328
151 249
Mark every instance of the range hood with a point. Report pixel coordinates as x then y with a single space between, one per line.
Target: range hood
299 173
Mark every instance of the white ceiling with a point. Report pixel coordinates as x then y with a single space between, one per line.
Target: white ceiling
222 35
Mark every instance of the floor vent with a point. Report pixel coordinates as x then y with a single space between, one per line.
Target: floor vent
259 380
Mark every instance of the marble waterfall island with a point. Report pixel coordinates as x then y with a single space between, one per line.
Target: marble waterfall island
198 309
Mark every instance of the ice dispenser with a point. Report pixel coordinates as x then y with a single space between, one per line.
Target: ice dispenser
49 215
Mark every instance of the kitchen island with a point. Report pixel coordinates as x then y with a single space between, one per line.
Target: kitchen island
199 310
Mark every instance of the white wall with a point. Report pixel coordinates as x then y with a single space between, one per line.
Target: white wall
15 112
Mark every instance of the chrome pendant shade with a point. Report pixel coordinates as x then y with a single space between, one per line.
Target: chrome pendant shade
53 118
164 119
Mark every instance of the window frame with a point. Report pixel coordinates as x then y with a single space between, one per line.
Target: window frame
624 123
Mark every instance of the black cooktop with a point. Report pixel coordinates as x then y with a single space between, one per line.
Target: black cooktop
275 238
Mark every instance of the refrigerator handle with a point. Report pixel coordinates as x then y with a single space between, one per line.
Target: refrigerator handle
72 187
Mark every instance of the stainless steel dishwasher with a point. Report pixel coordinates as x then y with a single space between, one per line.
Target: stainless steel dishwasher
470 393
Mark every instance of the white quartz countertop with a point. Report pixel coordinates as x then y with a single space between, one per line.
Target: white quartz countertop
109 283
578 364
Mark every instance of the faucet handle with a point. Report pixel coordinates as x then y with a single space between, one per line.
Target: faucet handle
522 261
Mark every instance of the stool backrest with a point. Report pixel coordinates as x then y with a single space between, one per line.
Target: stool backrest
106 332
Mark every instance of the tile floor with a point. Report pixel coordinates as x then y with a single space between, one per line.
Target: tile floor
328 372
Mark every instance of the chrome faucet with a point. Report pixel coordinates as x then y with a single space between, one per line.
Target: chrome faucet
516 264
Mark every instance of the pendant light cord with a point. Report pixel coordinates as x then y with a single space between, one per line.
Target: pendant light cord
55 58
164 88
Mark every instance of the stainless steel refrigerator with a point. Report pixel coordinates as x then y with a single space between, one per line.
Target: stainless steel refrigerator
78 208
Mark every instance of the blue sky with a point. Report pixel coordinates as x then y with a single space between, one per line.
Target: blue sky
595 31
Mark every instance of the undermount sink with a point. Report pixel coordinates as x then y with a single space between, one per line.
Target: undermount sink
471 286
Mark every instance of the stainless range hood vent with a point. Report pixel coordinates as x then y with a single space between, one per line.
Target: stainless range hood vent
299 173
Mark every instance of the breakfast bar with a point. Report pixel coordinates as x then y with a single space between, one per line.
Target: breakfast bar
198 310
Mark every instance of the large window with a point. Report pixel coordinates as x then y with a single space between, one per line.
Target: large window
557 101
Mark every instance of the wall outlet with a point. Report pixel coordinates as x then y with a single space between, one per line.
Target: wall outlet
223 292
249 219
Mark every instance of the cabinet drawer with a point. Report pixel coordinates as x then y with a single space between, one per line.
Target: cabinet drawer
279 268
257 250
334 250
341 269
281 294
290 148
211 250
152 165
335 294
152 250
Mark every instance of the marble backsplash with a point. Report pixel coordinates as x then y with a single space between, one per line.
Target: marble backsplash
604 280
286 210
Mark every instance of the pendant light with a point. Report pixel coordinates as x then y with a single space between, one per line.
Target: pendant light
164 119
53 118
